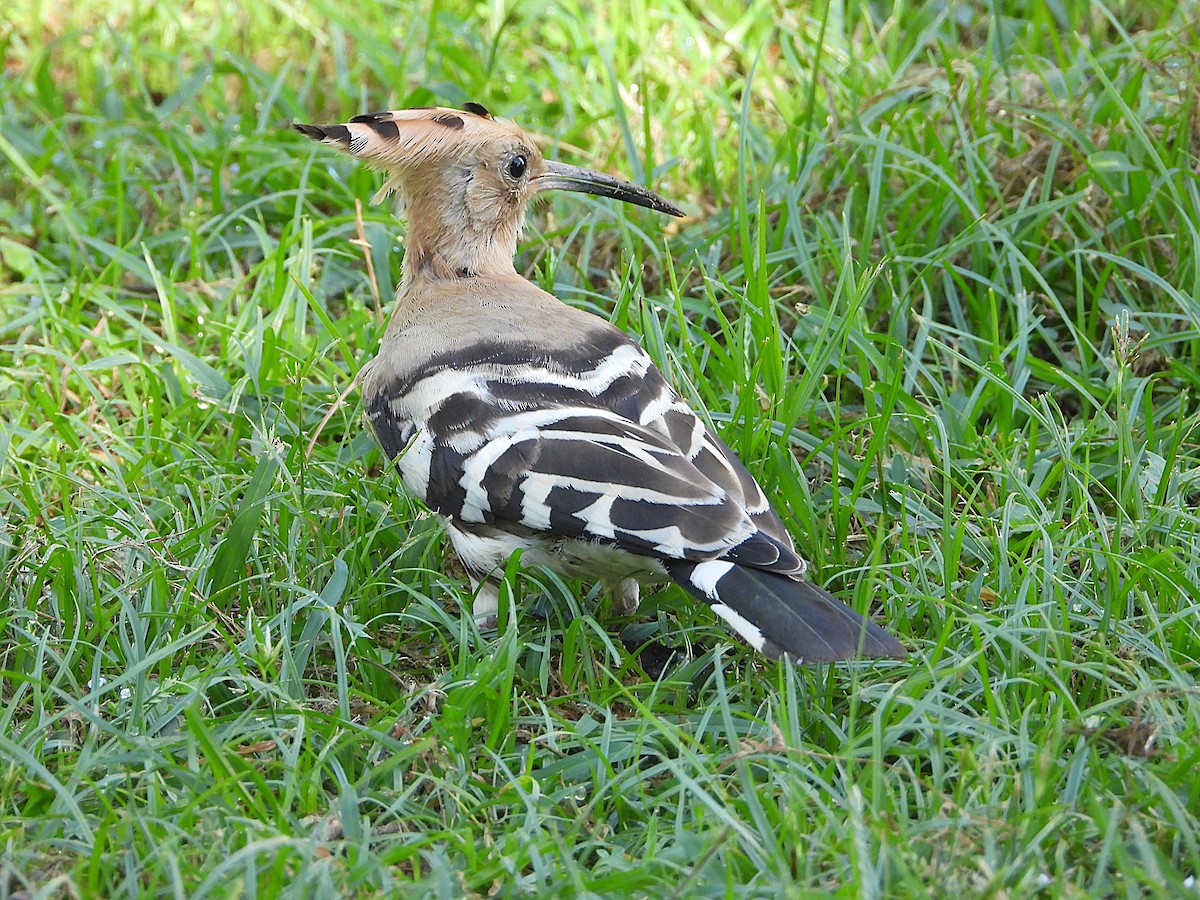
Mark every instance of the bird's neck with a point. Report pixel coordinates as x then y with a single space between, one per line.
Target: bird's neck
425 259
445 241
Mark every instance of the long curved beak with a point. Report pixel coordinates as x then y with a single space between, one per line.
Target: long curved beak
560 176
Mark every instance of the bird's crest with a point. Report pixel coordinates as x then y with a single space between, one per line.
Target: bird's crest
403 138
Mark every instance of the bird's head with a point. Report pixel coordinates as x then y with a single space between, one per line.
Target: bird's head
466 179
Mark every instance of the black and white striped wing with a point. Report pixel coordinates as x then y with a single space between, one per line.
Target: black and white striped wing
605 452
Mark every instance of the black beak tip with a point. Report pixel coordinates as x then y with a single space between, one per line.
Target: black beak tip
650 200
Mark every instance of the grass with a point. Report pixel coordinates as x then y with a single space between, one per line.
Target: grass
939 291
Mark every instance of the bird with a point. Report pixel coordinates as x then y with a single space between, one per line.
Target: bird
531 425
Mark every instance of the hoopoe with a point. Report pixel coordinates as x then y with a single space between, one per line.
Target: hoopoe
529 424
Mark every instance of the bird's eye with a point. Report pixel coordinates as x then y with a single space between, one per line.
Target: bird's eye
517 166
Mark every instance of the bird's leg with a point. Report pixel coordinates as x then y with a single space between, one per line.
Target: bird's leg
626 595
487 600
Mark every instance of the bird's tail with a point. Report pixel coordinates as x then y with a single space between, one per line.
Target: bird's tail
777 614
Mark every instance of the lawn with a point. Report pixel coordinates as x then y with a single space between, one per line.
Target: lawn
939 287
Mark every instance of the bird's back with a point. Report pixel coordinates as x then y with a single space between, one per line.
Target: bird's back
468 363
